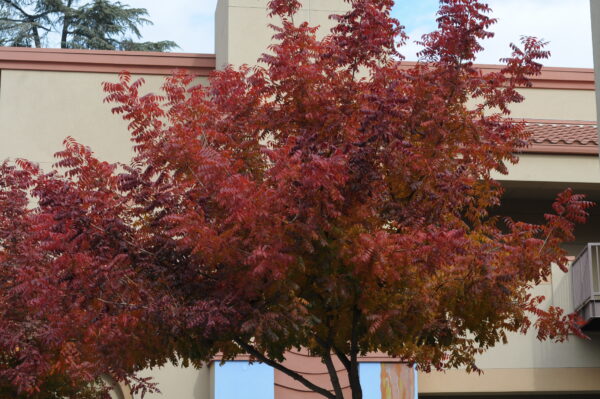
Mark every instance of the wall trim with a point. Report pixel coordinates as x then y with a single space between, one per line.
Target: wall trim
561 149
511 381
102 61
154 63
550 78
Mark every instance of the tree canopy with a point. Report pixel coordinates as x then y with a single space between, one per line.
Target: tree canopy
91 24
331 198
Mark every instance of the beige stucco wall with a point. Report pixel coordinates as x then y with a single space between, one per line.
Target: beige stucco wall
509 381
526 364
119 390
180 383
241 27
559 104
555 104
39 109
554 168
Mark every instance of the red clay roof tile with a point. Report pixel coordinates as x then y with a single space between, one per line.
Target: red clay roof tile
563 137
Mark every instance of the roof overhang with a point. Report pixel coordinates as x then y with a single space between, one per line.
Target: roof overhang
137 62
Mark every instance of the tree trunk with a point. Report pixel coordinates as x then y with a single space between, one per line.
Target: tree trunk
354 378
63 36
36 36
353 373
66 23
352 369
335 381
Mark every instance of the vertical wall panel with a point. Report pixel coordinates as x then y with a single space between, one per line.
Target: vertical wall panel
370 380
397 381
242 380
388 381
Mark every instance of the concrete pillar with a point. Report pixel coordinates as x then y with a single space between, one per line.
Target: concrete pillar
241 27
595 12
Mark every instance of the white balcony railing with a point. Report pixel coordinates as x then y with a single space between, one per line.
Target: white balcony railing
586 282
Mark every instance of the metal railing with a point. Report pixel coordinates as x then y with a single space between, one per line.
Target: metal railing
586 276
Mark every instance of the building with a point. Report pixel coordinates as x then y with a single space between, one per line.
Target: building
46 95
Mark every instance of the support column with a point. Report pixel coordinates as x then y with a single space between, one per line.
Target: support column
595 12
241 27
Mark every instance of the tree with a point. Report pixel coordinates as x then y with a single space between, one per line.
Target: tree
332 199
96 24
53 343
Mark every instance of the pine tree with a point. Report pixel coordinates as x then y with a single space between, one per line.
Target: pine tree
96 24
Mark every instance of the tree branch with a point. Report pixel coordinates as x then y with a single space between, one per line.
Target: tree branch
342 357
327 347
335 381
23 12
131 305
353 375
13 20
258 355
17 7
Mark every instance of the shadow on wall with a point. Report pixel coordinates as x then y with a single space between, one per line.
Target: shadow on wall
202 386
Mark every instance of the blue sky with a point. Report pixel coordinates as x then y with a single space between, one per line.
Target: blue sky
565 23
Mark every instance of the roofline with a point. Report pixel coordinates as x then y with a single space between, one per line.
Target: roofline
155 63
561 149
371 357
533 121
550 78
104 61
558 78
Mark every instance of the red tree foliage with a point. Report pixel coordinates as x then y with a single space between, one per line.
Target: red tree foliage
330 199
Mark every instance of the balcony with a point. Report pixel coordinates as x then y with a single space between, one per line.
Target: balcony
586 285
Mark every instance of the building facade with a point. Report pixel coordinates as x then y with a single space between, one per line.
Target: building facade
46 95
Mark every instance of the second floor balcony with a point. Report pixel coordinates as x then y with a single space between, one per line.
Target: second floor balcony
586 285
